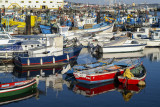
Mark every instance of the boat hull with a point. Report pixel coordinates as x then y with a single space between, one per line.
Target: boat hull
130 81
125 48
99 78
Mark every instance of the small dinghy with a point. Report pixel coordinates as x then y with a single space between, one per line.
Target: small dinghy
136 75
15 88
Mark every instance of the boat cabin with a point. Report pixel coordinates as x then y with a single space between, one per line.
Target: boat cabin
141 33
155 35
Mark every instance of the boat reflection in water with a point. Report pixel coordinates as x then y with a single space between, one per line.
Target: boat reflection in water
94 89
53 77
128 91
20 97
153 54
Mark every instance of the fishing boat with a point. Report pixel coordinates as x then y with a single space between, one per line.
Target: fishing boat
105 73
11 45
104 26
122 45
139 75
15 88
48 56
90 90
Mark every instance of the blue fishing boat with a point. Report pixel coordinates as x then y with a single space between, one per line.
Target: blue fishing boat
68 54
51 55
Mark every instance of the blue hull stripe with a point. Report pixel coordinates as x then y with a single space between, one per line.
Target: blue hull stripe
94 82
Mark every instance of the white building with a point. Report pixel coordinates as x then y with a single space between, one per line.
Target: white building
37 4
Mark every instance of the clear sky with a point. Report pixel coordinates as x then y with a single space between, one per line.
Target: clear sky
107 1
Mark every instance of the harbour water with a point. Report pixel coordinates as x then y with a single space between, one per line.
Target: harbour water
63 92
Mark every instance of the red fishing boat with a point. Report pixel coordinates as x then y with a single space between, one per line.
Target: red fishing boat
139 75
105 73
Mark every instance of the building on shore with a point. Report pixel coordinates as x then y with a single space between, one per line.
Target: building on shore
35 4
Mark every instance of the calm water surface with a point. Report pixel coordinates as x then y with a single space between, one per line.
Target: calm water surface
63 92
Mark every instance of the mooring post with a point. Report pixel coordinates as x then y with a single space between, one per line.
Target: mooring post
98 17
0 15
28 25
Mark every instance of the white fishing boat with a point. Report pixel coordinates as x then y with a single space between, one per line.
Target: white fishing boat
93 39
10 44
107 27
123 44
150 38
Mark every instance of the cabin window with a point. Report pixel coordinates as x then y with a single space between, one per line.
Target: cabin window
22 1
134 42
31 45
37 1
25 45
44 1
37 45
51 1
30 1
4 37
6 1
138 35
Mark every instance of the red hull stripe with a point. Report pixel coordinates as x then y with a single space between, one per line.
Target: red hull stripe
48 62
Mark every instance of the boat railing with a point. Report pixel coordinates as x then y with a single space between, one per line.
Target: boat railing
11 47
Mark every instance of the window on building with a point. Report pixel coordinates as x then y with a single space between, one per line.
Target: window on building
22 1
30 1
51 1
37 1
44 1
